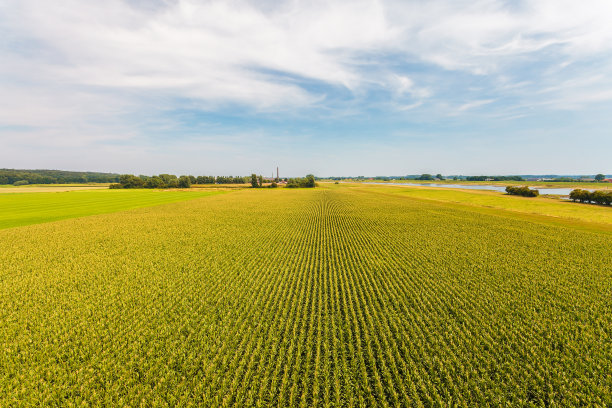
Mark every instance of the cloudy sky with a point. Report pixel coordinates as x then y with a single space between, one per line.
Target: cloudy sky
370 87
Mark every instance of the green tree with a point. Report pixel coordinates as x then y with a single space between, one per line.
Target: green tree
169 179
599 177
184 182
254 181
130 181
155 182
309 181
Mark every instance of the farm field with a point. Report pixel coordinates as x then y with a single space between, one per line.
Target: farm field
335 296
35 207
535 184
599 216
50 188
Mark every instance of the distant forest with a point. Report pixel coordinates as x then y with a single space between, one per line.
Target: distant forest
21 177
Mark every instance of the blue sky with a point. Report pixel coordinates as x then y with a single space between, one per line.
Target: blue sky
371 87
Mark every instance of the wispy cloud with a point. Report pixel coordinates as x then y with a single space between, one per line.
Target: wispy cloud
474 104
92 71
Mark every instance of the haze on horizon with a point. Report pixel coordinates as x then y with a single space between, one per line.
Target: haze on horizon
372 87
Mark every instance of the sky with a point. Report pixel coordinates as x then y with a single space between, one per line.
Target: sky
333 88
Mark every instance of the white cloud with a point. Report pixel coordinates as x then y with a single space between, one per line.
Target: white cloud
83 70
232 51
474 104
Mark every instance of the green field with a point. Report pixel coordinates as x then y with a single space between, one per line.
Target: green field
334 296
33 208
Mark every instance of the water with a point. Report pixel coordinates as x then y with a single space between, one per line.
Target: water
555 191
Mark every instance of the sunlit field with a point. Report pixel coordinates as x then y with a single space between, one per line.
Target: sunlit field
551 210
28 207
308 297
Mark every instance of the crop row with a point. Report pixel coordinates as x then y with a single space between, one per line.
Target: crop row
327 297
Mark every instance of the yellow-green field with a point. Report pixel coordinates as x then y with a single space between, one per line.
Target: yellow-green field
335 296
36 207
52 186
536 184
49 188
560 211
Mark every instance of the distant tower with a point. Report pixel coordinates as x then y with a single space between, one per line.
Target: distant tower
277 173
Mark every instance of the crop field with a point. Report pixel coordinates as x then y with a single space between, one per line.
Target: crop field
535 184
334 296
551 207
35 207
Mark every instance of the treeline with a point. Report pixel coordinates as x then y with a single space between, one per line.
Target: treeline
522 191
172 181
494 178
22 177
258 182
306 182
595 197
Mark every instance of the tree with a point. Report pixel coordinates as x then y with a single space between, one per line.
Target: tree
254 181
597 196
169 179
309 181
439 176
599 177
522 191
260 180
130 181
306 182
155 182
184 182
425 177
580 195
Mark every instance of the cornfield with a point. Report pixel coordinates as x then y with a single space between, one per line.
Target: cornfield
324 297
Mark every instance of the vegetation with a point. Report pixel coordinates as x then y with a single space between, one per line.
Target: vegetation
306 182
230 180
254 181
171 181
11 176
550 210
315 297
184 182
34 208
258 182
595 197
522 191
494 178
205 180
